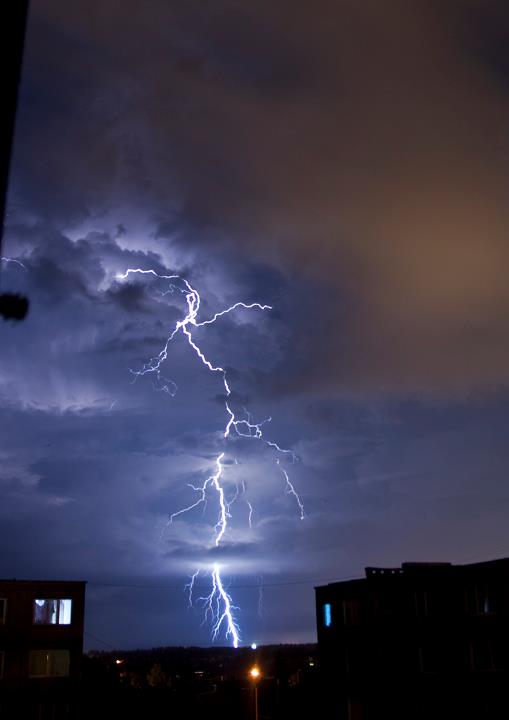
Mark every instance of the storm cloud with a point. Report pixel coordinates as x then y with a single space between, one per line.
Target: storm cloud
346 164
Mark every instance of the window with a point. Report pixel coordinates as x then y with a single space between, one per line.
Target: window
486 600
500 653
390 603
481 600
327 615
48 663
3 609
52 612
351 612
433 603
429 658
355 710
481 654
437 655
421 603
357 657
2 658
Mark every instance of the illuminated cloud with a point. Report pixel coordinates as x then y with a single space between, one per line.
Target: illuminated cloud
345 164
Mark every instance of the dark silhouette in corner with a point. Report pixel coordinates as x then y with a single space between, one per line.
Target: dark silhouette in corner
12 306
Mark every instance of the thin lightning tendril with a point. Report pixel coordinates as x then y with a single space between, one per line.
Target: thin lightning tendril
13 260
190 587
260 597
291 491
218 605
250 516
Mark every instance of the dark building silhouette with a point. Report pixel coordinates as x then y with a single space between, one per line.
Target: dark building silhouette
426 640
14 17
41 646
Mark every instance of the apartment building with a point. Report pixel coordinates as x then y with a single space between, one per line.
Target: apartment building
426 640
41 645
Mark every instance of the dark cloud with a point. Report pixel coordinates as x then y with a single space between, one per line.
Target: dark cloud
132 298
359 146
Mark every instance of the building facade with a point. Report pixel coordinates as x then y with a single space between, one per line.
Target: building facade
426 640
41 646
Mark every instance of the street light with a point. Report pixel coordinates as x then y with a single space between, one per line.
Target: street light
255 674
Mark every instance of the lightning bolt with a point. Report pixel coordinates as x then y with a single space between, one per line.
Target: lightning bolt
291 491
221 609
218 604
13 260
260 597
250 507
190 587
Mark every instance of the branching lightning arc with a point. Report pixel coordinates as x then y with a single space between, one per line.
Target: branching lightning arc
13 260
218 604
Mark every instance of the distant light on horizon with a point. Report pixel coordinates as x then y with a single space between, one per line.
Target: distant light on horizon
253 646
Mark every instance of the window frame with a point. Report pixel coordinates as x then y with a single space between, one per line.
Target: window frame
60 611
482 655
3 610
47 674
351 611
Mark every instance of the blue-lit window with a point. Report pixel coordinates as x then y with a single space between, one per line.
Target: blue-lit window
327 615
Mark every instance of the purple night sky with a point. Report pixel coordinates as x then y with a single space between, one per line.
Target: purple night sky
345 163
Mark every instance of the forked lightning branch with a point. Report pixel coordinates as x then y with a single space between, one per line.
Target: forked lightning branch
218 604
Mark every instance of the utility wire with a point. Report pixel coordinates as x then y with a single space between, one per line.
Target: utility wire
98 639
243 586
146 586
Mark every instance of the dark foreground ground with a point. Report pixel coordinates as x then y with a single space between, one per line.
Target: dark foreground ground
187 683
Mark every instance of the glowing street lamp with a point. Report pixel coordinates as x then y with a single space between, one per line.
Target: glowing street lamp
255 675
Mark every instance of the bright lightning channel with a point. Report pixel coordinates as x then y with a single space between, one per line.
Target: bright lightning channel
219 607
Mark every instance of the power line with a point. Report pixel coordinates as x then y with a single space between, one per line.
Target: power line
98 639
243 586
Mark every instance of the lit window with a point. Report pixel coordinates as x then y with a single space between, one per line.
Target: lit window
48 663
3 608
327 615
52 612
